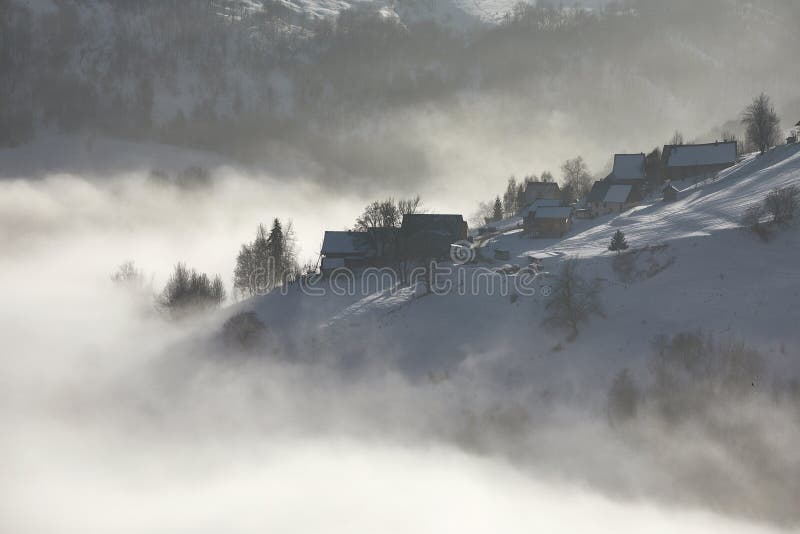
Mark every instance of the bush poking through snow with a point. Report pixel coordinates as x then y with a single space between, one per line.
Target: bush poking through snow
573 299
623 398
782 204
188 291
752 219
243 332
690 370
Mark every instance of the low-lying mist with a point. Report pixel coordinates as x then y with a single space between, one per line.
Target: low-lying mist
116 419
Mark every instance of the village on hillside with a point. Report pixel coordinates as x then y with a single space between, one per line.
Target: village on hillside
545 211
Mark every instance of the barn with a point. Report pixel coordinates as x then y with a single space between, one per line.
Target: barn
629 169
429 235
344 250
681 162
548 222
621 197
541 190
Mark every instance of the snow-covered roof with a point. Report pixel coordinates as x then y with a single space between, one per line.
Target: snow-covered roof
618 193
598 192
629 166
540 203
709 154
554 213
541 186
344 243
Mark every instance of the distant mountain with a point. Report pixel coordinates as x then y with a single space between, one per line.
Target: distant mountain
449 12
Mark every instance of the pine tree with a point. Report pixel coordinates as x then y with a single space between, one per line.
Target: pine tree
497 212
618 242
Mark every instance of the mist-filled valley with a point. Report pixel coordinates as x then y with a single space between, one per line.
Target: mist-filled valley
263 268
399 100
117 418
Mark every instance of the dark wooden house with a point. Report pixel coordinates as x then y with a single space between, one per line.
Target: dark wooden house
429 236
548 222
374 247
344 250
541 190
594 202
629 169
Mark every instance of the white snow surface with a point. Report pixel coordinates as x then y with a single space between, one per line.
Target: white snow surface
713 275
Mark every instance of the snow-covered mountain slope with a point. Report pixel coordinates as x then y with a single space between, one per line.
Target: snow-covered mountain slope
708 207
450 12
694 268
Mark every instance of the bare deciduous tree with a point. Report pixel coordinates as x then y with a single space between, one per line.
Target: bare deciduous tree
387 213
677 138
127 275
379 214
576 176
410 206
573 299
762 123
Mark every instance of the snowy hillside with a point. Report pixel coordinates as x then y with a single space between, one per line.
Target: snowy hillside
693 267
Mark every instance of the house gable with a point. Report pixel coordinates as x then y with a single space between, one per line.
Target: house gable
628 167
619 194
345 244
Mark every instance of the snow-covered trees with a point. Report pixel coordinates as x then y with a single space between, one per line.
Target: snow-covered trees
762 123
267 262
576 176
618 242
573 299
188 291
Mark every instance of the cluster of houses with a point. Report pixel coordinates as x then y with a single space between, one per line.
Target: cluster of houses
547 214
421 236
